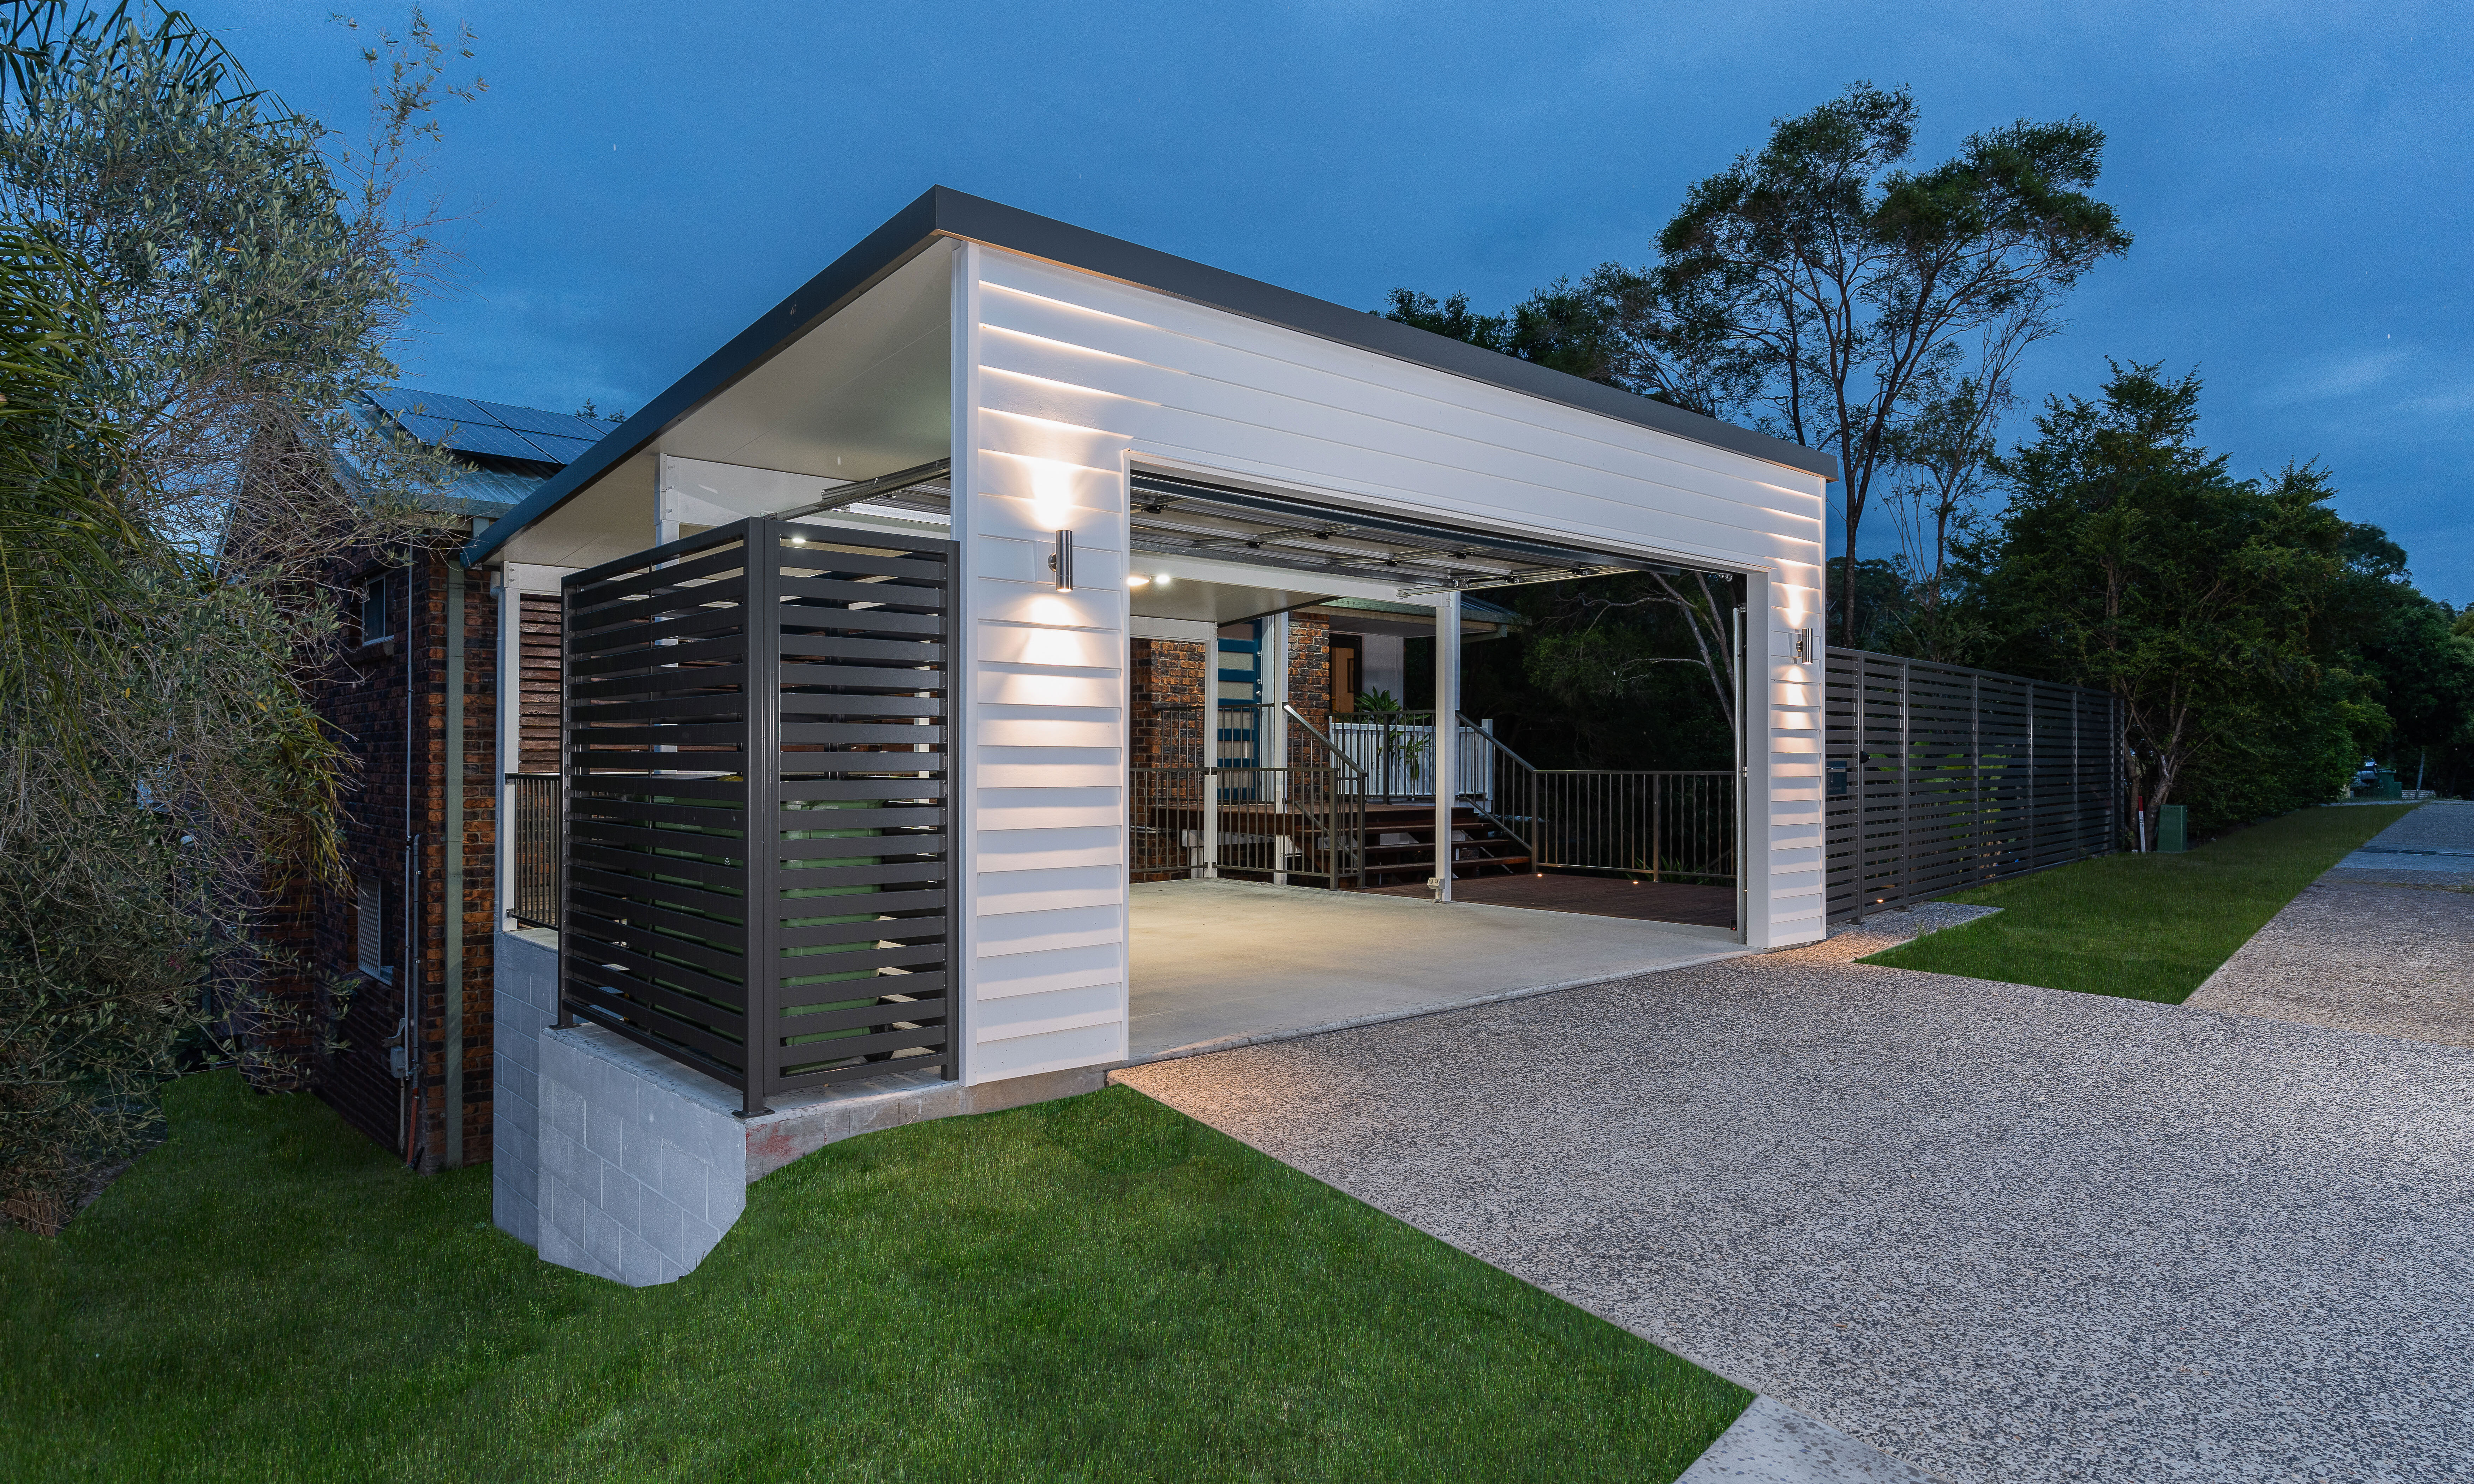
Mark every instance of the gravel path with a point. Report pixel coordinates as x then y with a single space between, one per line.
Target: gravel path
2382 943
1999 1231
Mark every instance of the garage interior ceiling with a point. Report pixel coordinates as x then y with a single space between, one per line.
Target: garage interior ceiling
1179 517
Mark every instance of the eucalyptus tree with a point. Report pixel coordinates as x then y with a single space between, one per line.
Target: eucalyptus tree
1827 289
1941 476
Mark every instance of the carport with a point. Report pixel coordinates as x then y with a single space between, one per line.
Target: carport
855 610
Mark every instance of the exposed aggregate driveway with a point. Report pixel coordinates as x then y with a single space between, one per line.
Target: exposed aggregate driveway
2003 1233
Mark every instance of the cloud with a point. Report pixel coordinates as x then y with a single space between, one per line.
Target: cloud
2332 377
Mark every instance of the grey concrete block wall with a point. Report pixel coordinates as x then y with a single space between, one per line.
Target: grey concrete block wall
642 1165
524 986
637 1166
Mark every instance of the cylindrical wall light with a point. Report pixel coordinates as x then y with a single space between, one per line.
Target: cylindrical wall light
1061 563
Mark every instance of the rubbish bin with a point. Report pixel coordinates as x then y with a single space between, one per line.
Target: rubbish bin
2384 784
2173 828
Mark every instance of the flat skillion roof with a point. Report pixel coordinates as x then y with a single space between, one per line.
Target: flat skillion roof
941 212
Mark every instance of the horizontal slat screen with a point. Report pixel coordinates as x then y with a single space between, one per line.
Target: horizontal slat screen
1939 778
820 731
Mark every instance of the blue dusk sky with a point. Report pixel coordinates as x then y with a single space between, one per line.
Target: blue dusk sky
641 181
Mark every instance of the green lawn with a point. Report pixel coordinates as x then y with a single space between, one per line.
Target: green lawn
1092 1289
2143 926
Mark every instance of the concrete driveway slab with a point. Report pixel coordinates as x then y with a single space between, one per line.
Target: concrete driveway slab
2382 943
1998 1232
1224 963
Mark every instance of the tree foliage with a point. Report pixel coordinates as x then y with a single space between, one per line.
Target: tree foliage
195 283
1847 300
2129 557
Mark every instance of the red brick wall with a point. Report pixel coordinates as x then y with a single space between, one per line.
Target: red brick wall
400 793
1167 673
1310 667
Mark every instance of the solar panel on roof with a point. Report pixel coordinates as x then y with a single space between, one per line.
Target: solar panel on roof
487 437
560 450
434 404
533 420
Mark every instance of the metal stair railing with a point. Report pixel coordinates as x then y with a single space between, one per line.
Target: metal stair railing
1662 824
1265 770
1510 802
1344 809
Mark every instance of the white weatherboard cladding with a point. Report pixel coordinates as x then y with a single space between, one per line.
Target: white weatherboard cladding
1063 379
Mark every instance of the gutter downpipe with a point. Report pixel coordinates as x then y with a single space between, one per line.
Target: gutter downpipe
453 1153
1441 764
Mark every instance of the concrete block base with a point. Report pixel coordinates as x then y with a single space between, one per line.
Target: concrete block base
524 981
643 1165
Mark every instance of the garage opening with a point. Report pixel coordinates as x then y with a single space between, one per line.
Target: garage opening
1298 767
1302 790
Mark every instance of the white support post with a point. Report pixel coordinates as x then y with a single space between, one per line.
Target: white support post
1273 668
666 503
1446 735
1210 867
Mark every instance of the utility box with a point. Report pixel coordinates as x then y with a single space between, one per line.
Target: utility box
2173 828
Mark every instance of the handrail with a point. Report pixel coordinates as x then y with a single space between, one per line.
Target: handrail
1327 745
1338 827
1530 839
1497 743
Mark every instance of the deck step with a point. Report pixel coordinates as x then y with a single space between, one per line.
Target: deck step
1480 849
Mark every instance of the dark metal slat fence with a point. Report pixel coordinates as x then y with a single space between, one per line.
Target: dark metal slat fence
534 898
1939 778
754 824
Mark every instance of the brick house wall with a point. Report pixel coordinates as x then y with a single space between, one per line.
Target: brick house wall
387 702
1167 673
1310 667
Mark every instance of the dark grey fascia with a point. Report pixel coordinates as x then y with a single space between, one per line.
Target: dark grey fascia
941 212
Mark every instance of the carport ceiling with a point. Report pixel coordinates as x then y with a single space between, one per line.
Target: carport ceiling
1185 519
1179 517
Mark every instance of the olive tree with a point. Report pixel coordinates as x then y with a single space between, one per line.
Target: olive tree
196 284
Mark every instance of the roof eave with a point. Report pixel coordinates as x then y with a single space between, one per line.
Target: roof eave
942 212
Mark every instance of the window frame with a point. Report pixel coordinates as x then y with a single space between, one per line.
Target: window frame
373 596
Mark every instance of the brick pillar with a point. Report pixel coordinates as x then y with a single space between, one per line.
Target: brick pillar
1168 672
1310 667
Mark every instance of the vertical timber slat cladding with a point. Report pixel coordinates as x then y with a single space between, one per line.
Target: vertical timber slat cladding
386 703
1941 777
757 874
537 723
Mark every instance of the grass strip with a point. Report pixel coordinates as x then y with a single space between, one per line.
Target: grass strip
1097 1288
2143 926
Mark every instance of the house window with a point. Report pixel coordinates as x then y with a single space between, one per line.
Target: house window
371 914
374 611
